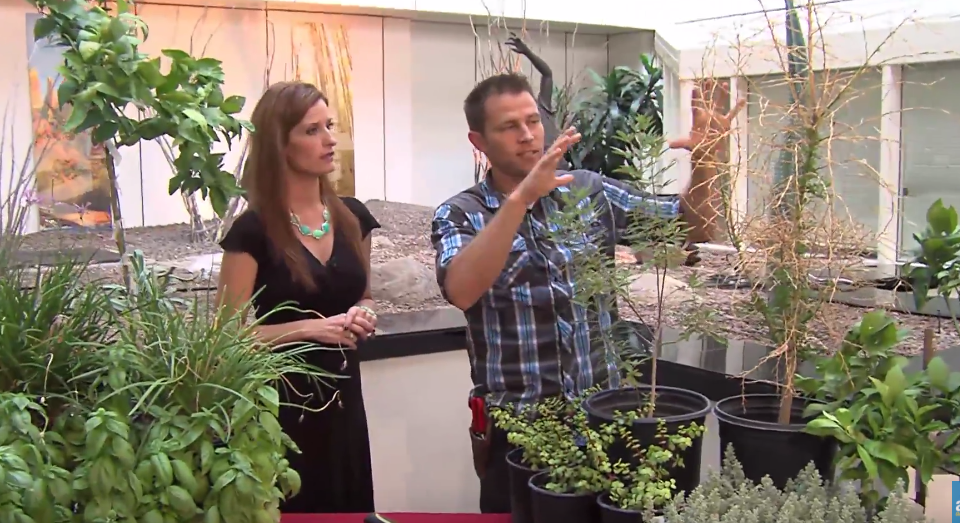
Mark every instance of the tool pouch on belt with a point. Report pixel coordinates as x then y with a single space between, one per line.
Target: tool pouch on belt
481 428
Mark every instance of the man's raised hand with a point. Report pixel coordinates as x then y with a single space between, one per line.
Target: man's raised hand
543 179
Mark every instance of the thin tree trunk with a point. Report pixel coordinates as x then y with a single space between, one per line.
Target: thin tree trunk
196 221
117 218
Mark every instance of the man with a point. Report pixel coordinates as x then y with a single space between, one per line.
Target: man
527 339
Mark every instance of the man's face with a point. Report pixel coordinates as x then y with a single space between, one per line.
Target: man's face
513 135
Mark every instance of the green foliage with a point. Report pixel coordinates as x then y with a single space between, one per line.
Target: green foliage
938 256
130 408
647 486
728 497
105 77
610 108
555 437
600 283
881 414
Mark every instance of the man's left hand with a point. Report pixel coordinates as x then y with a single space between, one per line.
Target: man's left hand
359 321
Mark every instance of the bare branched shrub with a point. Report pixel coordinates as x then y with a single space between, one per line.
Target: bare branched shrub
796 239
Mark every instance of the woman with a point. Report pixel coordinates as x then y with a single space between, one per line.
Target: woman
300 242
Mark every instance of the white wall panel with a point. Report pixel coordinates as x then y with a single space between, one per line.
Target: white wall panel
585 52
398 116
930 137
443 72
851 161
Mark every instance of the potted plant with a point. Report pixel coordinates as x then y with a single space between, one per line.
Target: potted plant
576 470
603 288
528 429
129 407
762 425
731 497
881 413
639 492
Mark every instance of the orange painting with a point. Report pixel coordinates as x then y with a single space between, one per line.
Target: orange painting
71 178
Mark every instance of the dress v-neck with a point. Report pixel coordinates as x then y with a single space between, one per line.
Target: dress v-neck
333 250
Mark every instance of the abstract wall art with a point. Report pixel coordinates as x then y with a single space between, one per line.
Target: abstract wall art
71 177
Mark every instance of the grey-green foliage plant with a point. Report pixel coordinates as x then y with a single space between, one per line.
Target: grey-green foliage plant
881 414
646 486
601 284
729 497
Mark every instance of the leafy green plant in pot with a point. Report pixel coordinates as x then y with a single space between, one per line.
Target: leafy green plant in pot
603 287
576 470
528 429
640 492
48 320
183 413
882 414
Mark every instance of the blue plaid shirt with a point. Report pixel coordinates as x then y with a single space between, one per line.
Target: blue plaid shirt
526 336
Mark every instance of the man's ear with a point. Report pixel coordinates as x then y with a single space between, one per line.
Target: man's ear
478 141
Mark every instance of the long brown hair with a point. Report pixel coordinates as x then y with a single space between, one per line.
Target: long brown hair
280 109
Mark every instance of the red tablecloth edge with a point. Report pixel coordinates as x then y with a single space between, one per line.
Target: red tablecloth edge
397 518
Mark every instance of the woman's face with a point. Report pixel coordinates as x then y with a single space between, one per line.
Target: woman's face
311 144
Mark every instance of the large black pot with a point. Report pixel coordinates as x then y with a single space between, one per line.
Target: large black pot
520 475
767 448
609 513
676 407
550 507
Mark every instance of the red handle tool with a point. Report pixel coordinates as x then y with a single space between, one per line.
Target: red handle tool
478 423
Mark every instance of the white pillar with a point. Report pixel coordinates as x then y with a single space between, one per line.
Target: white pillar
738 149
686 124
888 224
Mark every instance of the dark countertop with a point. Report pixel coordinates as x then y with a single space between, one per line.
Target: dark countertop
708 365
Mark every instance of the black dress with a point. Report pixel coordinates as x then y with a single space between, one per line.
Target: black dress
335 471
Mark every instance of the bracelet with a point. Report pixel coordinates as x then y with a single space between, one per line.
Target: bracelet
367 310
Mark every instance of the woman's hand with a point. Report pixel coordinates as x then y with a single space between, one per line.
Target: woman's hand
332 331
361 321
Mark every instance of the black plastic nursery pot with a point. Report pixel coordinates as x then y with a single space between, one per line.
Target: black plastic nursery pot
677 408
767 448
520 508
610 513
550 507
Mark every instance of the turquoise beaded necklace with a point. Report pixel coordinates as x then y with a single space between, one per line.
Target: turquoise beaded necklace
316 234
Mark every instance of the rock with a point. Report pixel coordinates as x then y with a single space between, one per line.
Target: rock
645 287
404 280
382 243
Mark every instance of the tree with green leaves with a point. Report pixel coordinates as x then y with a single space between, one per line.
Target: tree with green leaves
105 78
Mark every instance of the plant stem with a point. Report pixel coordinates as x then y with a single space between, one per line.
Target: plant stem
786 399
117 218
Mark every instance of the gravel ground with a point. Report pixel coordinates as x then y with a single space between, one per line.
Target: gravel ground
405 232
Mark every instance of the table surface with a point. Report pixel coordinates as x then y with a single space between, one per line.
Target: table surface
397 518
